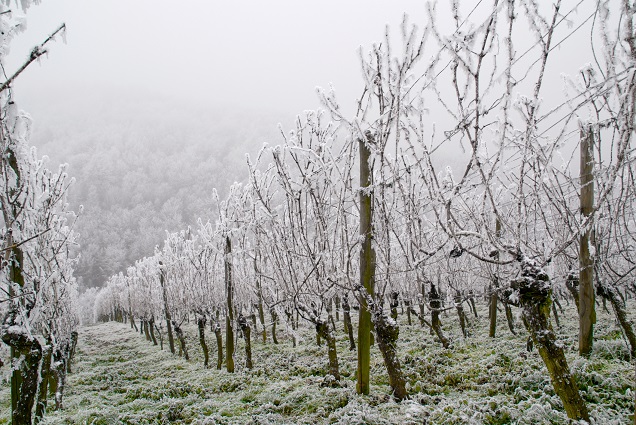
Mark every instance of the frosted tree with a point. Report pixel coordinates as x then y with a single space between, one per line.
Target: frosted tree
376 130
496 208
38 250
307 171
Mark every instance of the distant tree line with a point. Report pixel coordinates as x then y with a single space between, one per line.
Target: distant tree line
142 165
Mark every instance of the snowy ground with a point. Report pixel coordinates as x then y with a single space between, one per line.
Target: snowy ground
121 378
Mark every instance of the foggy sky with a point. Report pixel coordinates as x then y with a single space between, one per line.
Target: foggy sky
261 55
252 53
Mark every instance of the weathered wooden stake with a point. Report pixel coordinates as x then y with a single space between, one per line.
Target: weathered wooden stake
587 313
367 266
229 315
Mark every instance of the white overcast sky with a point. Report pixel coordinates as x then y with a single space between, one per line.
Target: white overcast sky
264 55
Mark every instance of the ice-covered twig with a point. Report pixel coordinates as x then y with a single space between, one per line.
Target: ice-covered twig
35 54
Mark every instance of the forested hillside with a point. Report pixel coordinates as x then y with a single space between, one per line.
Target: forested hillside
142 165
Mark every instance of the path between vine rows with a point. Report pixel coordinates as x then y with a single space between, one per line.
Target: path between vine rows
119 377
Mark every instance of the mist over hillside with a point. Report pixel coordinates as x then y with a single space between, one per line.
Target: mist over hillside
143 165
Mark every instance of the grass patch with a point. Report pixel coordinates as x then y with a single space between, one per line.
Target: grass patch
119 377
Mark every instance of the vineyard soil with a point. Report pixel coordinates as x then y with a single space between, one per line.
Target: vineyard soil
119 377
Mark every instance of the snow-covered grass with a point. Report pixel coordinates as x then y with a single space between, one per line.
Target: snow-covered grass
121 378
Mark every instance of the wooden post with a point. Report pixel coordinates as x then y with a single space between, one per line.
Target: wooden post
587 313
229 316
494 296
367 266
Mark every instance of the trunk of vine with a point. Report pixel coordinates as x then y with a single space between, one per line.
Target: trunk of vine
393 303
462 315
28 384
294 326
160 337
473 307
261 312
492 310
144 324
557 303
421 299
245 329
219 345
509 317
204 345
387 332
45 372
422 314
71 351
534 294
324 329
274 318
436 323
170 336
162 280
610 293
572 285
183 350
59 375
556 316
133 325
151 324
24 381
346 312
52 381
253 319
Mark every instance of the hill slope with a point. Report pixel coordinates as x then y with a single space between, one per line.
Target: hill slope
143 165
